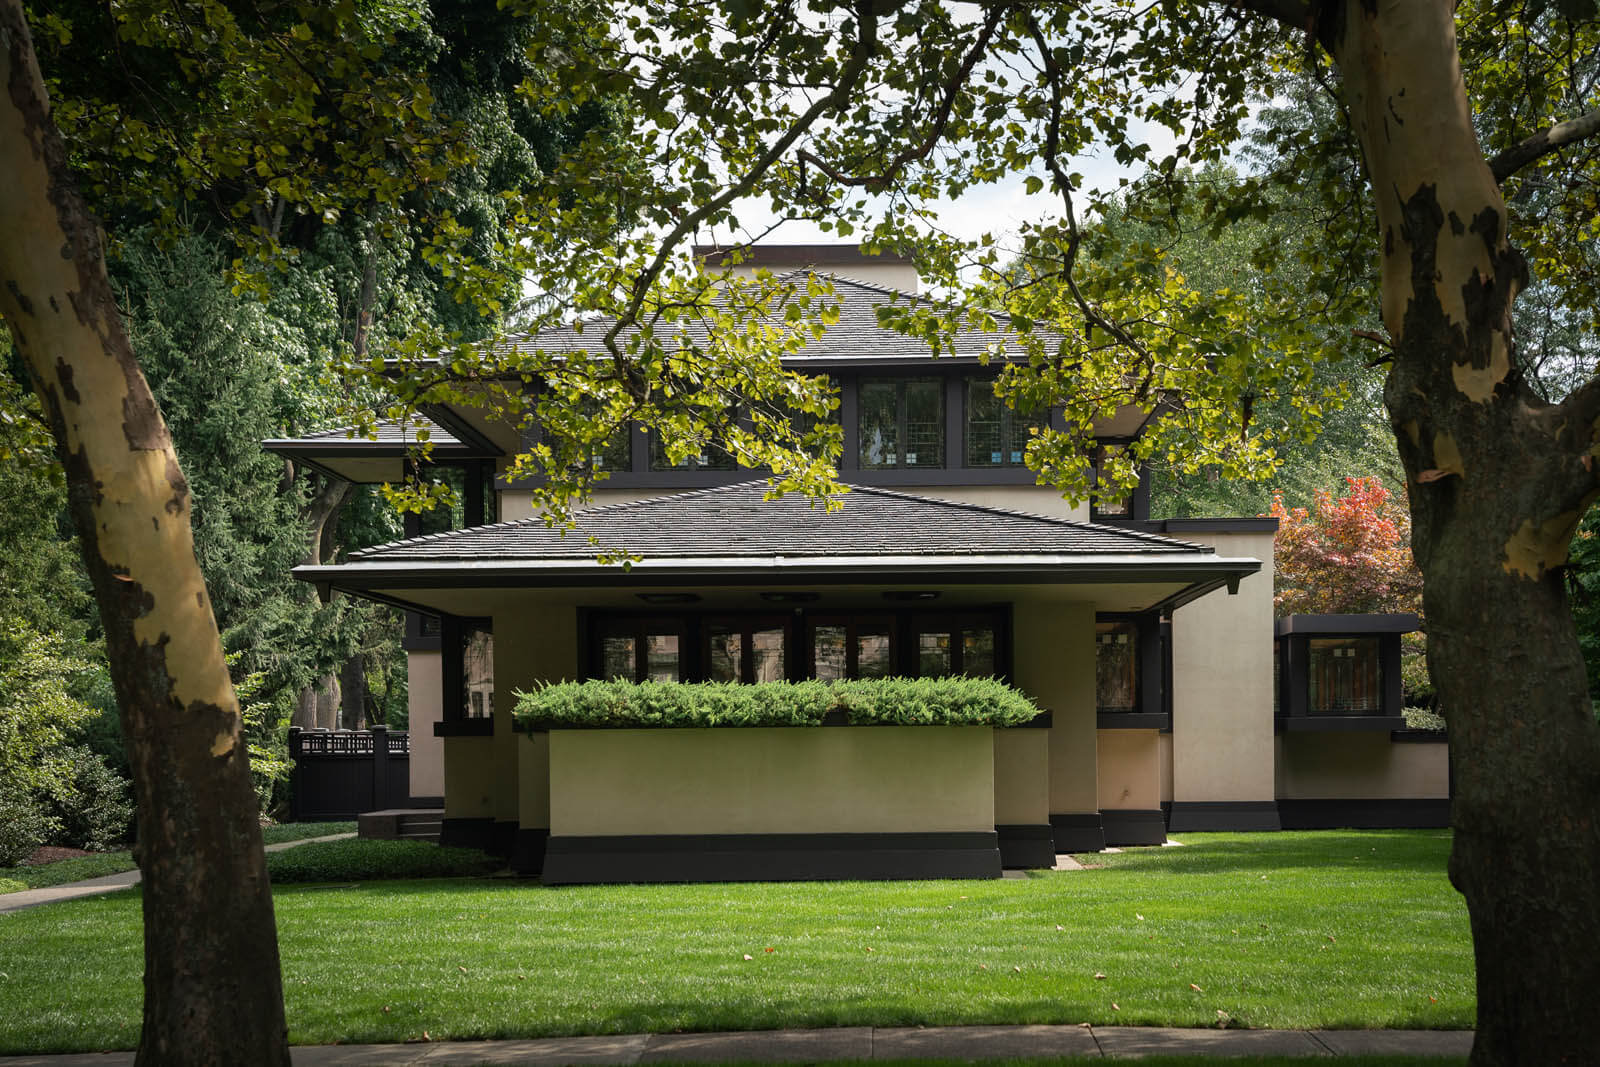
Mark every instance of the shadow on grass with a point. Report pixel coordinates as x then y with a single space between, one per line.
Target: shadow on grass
1419 851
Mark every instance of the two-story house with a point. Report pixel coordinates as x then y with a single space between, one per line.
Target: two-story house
1149 642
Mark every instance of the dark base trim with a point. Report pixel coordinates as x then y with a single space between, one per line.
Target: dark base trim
1185 815
1026 846
527 852
1405 814
436 803
502 838
467 833
1132 826
1078 832
769 857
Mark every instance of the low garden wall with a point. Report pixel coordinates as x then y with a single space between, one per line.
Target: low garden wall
661 782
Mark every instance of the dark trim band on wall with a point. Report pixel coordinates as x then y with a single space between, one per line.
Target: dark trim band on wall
1078 831
770 857
1026 846
467 833
1188 815
1365 814
527 852
1134 826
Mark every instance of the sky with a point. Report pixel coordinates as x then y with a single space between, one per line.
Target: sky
997 210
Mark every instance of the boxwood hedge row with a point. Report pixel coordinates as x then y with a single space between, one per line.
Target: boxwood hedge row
868 702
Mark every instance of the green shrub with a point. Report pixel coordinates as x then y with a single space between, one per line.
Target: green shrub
24 824
871 702
357 860
92 807
11 885
1422 719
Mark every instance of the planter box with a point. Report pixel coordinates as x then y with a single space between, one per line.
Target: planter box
763 804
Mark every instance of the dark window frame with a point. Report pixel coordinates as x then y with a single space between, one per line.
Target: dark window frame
746 625
1012 423
902 420
1153 690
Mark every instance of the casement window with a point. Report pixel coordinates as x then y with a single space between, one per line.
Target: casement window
1131 668
466 665
851 647
1118 503
996 436
956 644
901 423
1345 676
746 648
640 650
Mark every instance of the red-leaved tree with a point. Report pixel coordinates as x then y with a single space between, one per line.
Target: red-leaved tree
1345 555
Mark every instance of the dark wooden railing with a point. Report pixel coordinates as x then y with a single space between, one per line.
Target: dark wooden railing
338 774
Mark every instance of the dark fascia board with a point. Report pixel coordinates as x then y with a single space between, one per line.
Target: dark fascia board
460 429
1396 623
854 570
359 448
904 476
1258 524
816 255
374 582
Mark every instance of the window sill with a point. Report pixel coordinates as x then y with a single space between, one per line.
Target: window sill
464 728
1132 720
1339 723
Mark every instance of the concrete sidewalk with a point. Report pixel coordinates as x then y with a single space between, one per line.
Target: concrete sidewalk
857 1043
32 898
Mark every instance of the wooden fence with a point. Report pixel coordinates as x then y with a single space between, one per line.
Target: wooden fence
338 774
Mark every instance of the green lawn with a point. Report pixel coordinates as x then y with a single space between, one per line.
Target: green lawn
1345 929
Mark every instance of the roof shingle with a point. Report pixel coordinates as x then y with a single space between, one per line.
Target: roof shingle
735 521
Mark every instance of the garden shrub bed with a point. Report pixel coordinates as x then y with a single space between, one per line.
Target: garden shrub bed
357 860
600 705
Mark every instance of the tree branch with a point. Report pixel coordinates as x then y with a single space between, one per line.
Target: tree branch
913 153
1543 143
1294 14
866 45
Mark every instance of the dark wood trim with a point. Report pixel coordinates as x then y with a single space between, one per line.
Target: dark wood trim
1364 814
1338 724
1026 846
1347 625
1131 826
483 727
1042 721
466 833
527 852
770 857
1242 815
1132 720
430 803
1078 831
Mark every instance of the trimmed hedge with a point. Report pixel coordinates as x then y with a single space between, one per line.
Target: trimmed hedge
364 860
620 705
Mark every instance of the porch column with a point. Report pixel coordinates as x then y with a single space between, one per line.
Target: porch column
1054 664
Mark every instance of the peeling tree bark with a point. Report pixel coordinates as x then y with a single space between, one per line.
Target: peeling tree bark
213 988
1499 480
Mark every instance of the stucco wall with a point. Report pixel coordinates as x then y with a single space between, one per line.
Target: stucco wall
1054 664
766 781
1021 777
422 711
1360 766
532 643
1222 725
1129 769
469 771
533 781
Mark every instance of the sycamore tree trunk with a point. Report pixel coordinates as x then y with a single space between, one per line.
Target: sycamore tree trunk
212 984
1498 482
